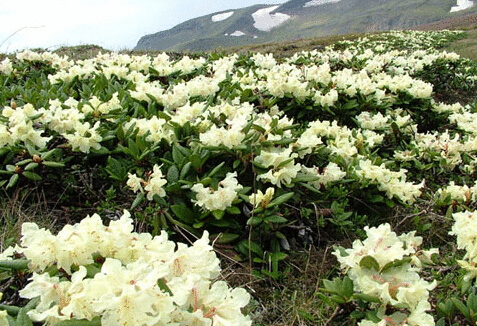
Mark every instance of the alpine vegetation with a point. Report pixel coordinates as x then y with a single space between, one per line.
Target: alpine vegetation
260 154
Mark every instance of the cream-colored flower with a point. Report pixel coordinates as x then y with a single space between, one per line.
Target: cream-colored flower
211 199
261 199
154 186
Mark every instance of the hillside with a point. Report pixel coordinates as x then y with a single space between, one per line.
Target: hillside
297 19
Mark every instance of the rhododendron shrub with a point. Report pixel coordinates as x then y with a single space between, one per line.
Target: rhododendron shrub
90 270
385 267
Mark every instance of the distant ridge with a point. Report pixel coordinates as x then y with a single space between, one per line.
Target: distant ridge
467 21
299 19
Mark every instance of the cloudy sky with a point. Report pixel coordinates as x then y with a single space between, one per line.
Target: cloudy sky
112 24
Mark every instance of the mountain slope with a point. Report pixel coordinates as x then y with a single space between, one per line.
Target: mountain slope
297 19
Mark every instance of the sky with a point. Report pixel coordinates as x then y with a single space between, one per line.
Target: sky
112 24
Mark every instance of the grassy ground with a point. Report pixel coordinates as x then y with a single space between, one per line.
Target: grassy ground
291 299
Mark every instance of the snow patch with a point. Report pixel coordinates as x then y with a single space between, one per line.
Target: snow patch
239 33
462 5
265 21
319 2
222 16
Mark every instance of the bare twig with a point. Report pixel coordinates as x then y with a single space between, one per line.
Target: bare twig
332 316
17 31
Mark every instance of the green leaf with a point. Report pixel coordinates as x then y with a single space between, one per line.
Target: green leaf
13 180
177 155
172 174
325 299
465 286
390 202
277 256
120 133
23 319
234 210
445 308
396 263
284 163
254 220
198 225
350 105
369 262
338 299
12 310
216 170
31 166
185 170
366 297
116 170
196 161
276 219
24 162
53 164
347 287
184 213
258 128
441 322
14 264
333 286
280 200
133 149
32 176
307 316
218 214
236 164
139 198
302 177
372 315
225 237
472 302
96 321
461 307
163 286
92 270
253 247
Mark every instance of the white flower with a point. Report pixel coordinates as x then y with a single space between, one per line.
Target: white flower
219 199
134 182
126 291
85 137
261 199
154 186
332 172
6 66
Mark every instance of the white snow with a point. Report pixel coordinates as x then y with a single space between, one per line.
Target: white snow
265 21
238 33
222 16
319 2
462 5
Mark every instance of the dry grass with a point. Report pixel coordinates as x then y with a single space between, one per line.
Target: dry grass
292 299
27 205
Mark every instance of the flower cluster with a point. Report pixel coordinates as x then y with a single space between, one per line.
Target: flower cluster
222 97
126 278
153 186
220 198
393 183
462 194
386 266
3 315
262 199
464 229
